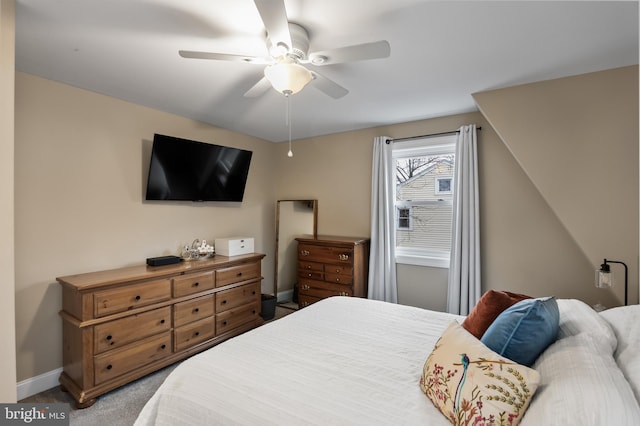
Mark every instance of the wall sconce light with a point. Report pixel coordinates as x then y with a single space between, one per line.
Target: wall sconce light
604 277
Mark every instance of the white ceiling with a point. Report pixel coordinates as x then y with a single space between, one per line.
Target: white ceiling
441 53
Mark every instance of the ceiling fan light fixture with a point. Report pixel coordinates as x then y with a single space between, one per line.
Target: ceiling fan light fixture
288 77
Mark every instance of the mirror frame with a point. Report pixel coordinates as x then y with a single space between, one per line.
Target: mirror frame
315 235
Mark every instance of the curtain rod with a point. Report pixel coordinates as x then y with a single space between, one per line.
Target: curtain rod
426 136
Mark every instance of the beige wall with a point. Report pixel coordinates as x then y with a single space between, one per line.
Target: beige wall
576 139
67 150
526 246
7 269
81 163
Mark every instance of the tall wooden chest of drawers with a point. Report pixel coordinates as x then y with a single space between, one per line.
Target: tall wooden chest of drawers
332 266
121 324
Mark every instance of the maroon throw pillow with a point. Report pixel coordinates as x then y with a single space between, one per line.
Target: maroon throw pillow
490 305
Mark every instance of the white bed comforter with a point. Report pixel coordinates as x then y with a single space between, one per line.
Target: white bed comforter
339 361
351 361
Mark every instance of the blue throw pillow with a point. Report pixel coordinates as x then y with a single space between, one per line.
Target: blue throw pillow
524 330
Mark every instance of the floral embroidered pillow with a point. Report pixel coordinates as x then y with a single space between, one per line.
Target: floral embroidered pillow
472 385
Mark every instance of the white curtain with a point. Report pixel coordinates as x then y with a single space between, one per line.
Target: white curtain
382 265
464 269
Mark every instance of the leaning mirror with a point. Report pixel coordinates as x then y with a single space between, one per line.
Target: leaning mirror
294 218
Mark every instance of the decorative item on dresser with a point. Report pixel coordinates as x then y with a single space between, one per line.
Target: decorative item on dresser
121 324
332 266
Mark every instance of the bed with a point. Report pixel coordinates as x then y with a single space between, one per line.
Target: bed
356 361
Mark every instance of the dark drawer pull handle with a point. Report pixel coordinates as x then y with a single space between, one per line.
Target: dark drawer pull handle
109 337
197 333
253 292
239 274
224 302
138 297
196 310
109 367
163 346
254 311
224 323
161 321
196 284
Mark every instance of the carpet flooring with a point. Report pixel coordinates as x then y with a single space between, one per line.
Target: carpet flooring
121 406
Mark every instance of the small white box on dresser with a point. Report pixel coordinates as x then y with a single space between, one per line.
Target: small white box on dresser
234 246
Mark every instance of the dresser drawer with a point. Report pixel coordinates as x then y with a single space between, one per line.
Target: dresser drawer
304 300
120 361
130 297
194 333
311 266
193 310
323 289
338 269
311 253
236 274
228 299
192 283
338 279
313 275
118 333
232 318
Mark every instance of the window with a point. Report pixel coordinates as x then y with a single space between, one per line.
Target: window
424 200
443 185
404 218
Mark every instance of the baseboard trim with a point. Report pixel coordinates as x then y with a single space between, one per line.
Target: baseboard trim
285 296
34 385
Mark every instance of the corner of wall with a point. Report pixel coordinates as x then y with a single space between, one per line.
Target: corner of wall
576 138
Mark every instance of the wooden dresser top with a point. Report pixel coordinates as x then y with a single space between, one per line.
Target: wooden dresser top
142 272
333 240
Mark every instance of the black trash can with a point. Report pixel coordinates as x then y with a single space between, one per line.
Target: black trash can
268 307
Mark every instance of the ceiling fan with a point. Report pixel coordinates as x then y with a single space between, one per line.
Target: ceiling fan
288 46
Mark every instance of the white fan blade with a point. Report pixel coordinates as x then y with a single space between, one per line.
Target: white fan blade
357 52
274 17
258 89
224 57
328 86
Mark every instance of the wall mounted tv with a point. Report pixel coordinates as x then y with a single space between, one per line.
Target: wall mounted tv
186 170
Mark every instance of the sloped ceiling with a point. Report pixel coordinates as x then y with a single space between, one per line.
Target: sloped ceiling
576 138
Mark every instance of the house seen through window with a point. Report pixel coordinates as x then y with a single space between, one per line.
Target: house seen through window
423 200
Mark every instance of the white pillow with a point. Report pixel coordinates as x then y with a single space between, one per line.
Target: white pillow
581 385
625 321
577 317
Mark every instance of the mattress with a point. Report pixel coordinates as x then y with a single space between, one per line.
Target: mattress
338 361
352 361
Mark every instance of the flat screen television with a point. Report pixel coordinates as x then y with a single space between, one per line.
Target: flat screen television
186 170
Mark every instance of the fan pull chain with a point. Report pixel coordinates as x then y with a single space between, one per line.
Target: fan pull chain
288 95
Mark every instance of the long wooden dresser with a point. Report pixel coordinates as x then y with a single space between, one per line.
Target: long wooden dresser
121 324
332 266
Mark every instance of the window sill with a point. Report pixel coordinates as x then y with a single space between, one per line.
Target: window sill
431 261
